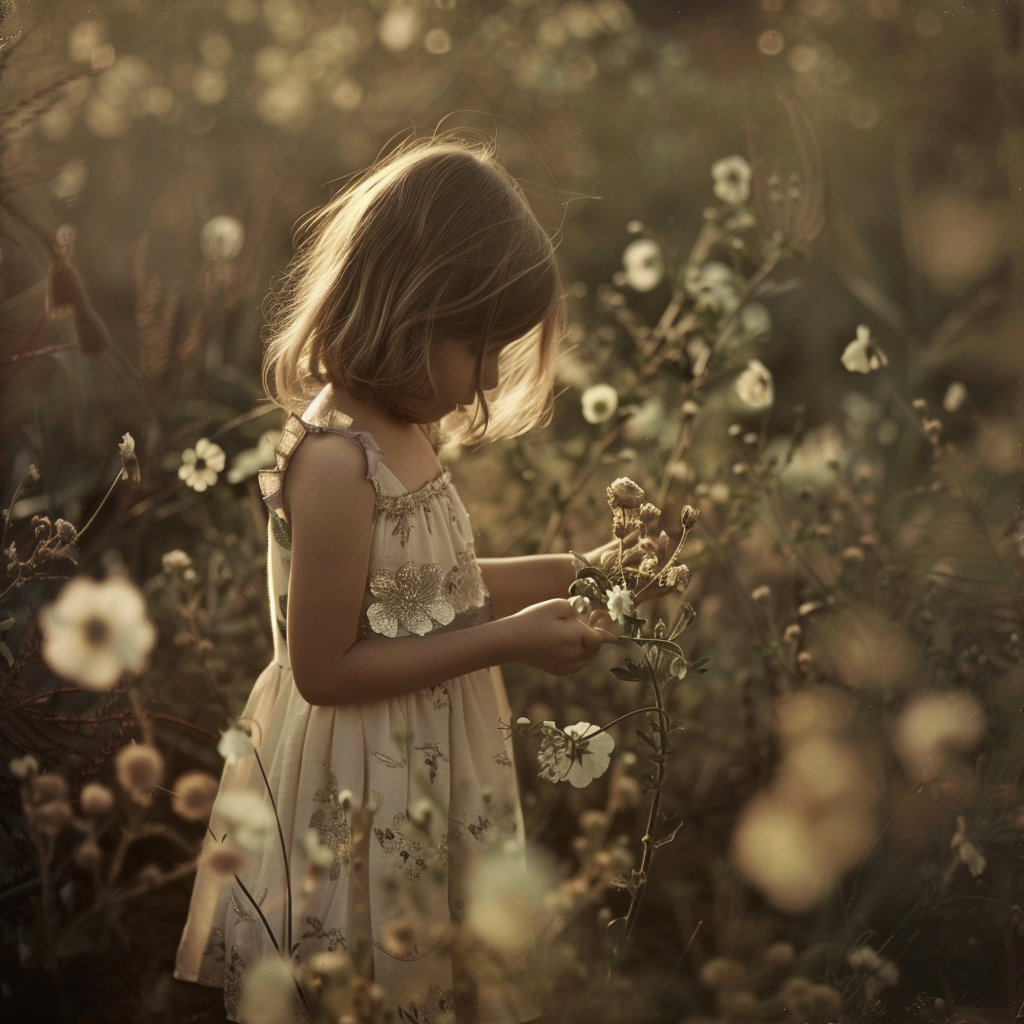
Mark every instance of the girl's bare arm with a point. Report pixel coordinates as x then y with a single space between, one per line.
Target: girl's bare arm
517 582
329 504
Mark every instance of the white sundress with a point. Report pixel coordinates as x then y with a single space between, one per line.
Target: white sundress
443 743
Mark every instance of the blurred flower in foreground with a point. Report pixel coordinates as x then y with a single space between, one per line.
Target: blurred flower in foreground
862 355
644 264
574 754
200 465
732 179
247 816
599 403
95 632
268 992
194 793
140 769
881 973
221 238
932 726
755 385
506 901
224 860
969 853
714 287
955 396
249 462
129 460
795 840
234 744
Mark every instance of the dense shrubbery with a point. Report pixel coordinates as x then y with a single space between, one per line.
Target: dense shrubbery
794 791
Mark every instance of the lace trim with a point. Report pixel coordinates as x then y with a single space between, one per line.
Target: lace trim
400 507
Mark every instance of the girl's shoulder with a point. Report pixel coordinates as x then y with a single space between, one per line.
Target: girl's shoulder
315 420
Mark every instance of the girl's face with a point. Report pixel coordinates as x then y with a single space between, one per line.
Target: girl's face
454 366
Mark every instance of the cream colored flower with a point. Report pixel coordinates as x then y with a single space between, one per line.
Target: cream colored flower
574 754
248 817
234 745
620 603
955 396
862 355
755 385
95 800
868 961
221 238
935 724
24 767
506 906
643 264
249 462
268 992
194 793
200 465
714 287
140 769
599 403
731 175
224 860
95 632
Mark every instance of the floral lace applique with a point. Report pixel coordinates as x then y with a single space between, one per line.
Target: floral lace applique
333 936
464 585
400 507
233 981
332 824
412 597
432 752
439 1008
413 856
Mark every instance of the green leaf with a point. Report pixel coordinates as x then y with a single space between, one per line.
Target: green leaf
6 624
5 653
624 672
667 831
647 739
281 531
700 666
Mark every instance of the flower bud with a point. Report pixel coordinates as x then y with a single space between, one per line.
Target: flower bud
688 517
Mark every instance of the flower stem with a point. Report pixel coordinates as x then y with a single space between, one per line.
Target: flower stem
284 854
648 839
117 480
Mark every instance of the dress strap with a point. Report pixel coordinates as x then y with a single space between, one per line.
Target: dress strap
295 429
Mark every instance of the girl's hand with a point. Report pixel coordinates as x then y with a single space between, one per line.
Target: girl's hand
549 636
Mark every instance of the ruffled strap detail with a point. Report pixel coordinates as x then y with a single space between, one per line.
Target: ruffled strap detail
295 429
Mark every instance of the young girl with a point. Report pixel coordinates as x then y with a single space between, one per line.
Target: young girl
428 295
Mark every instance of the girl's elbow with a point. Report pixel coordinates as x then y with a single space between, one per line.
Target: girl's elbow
319 692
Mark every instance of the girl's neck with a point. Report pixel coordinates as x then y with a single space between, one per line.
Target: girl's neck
369 415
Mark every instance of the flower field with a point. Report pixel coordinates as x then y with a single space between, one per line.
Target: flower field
789 430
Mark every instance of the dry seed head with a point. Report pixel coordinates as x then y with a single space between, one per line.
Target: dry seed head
88 854
194 793
50 786
95 799
140 768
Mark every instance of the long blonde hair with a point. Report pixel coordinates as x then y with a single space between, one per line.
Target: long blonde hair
437 238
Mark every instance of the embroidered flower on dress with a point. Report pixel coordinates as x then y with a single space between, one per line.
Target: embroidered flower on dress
400 507
410 597
332 824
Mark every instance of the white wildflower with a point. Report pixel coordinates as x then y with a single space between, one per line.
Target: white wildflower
234 745
932 725
248 817
268 992
620 603
95 632
200 465
249 462
599 403
956 395
866 960
862 355
732 179
24 767
713 285
574 754
755 385
644 264
221 238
